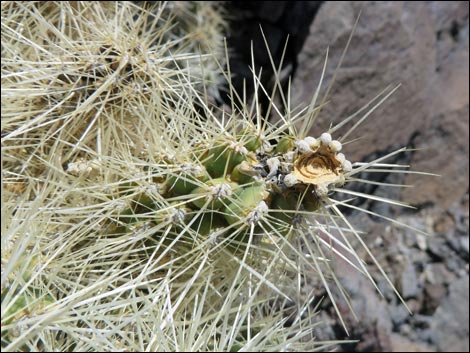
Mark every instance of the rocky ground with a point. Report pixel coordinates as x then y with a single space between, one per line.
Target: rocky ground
425 47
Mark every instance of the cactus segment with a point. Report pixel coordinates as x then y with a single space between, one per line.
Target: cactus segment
221 160
244 173
141 204
245 202
238 184
181 185
186 181
250 139
284 145
285 202
29 302
217 191
208 222
311 201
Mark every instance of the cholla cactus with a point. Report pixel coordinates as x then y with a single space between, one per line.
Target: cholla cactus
132 220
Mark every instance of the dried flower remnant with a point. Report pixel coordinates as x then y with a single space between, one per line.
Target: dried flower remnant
318 163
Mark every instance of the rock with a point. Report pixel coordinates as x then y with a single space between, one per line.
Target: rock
457 243
279 21
437 273
443 223
423 46
461 216
387 292
454 263
400 343
399 314
451 325
458 236
433 294
464 245
438 248
409 282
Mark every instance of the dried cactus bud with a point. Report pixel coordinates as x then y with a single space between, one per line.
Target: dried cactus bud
317 167
321 190
335 146
325 138
340 158
290 180
303 146
289 157
273 163
312 141
346 166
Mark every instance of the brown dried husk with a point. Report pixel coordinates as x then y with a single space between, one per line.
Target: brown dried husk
318 167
